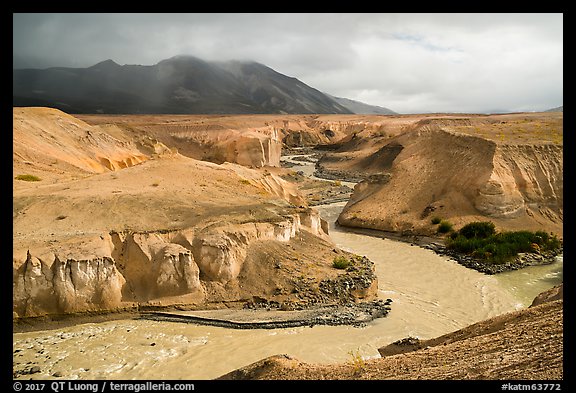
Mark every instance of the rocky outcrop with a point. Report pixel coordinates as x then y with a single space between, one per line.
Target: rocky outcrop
154 267
326 130
554 293
403 345
524 177
147 267
66 285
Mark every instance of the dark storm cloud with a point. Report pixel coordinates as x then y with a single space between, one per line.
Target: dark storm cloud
407 62
301 40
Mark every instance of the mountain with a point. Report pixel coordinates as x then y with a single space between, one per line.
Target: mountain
361 108
557 109
179 85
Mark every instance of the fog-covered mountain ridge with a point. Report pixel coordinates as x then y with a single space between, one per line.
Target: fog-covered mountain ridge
182 84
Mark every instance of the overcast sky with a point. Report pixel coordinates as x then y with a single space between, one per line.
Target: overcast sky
410 63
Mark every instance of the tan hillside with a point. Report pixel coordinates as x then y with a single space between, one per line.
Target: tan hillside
504 168
56 145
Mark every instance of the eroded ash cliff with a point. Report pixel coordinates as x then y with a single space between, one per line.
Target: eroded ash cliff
507 169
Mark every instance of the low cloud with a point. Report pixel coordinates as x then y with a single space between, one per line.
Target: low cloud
409 63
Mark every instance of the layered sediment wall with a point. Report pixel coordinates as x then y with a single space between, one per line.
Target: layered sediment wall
254 148
525 179
208 138
146 267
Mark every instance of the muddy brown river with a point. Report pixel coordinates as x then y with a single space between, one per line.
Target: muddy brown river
432 295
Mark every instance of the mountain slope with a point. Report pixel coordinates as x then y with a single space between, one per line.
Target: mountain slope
557 109
180 85
361 108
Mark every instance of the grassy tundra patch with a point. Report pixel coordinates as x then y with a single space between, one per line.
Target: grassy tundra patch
27 178
481 241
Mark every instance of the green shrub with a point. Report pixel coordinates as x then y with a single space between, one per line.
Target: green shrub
464 245
27 178
341 262
444 226
503 246
546 241
478 229
436 220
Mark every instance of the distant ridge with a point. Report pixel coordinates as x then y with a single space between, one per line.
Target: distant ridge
362 108
557 109
179 85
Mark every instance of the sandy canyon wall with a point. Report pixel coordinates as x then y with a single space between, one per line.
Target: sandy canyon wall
248 140
449 170
217 139
525 179
154 268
